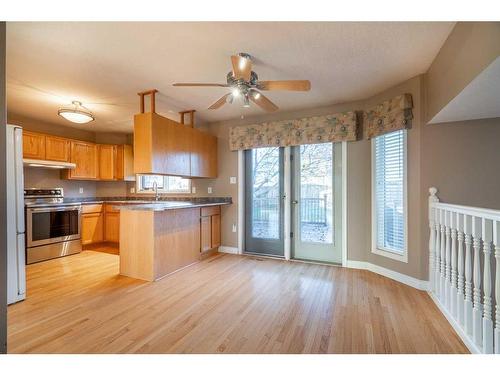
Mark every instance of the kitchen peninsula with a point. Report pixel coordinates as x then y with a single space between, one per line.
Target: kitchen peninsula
159 238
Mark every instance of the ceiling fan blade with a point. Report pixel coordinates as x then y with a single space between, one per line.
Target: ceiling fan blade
242 67
294 85
262 101
201 84
219 103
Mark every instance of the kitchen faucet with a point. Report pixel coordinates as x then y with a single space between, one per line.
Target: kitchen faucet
155 188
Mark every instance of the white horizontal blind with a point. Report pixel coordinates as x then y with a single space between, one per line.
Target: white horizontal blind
389 191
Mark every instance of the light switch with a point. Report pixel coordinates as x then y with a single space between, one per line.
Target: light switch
232 180
234 228
80 190
132 190
193 189
209 190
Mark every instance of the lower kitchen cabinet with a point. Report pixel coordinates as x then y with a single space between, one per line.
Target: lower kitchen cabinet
92 228
210 228
111 224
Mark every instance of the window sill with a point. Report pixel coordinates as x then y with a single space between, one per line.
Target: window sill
389 254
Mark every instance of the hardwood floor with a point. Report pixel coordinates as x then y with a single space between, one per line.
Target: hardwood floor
224 304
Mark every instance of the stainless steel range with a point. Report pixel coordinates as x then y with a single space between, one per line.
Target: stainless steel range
52 226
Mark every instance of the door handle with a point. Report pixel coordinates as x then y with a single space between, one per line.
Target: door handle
295 202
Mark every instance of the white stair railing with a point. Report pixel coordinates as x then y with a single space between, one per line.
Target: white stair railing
464 247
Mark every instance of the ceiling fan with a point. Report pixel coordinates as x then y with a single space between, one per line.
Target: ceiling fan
244 83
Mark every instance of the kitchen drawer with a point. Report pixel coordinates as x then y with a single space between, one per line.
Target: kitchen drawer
91 208
209 211
111 207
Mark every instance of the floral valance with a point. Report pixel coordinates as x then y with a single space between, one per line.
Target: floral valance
318 129
389 116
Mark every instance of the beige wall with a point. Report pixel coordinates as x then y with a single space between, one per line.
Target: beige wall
470 48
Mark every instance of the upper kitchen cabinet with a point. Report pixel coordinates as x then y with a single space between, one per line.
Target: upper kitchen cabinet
203 155
124 163
107 156
161 146
57 148
86 157
33 145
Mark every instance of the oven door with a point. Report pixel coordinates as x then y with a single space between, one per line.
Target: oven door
46 225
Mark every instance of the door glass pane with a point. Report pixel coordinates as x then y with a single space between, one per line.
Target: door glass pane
316 203
266 192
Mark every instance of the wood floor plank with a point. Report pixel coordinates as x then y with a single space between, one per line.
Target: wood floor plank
224 304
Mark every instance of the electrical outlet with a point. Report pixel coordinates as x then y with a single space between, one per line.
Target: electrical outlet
234 228
132 190
232 180
193 189
80 190
209 190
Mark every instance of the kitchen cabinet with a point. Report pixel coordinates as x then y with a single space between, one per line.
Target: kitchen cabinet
107 156
57 148
166 147
111 224
86 157
124 163
33 145
92 223
203 155
210 230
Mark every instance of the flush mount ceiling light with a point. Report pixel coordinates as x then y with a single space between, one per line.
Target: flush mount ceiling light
78 113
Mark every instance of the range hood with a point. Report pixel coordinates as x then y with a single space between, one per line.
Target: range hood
35 163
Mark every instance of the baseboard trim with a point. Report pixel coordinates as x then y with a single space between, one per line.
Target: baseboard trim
228 250
460 332
405 279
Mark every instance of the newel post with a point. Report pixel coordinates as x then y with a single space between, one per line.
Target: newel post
432 238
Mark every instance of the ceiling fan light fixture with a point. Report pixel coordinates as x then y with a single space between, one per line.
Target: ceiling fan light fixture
235 91
78 114
246 102
256 95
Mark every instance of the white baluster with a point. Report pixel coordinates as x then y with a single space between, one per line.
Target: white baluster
477 311
487 301
468 274
432 238
496 241
454 289
442 279
437 263
460 278
448 261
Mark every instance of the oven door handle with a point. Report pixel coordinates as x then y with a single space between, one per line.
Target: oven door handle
55 210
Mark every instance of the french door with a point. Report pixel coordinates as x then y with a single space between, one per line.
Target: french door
312 215
264 201
316 202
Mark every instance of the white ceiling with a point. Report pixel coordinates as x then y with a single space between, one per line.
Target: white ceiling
105 64
479 99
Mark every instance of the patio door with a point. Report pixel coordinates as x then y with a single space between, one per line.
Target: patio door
264 201
316 202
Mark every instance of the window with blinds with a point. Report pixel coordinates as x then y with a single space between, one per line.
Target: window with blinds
389 157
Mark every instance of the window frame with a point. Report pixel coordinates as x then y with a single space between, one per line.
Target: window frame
402 257
140 190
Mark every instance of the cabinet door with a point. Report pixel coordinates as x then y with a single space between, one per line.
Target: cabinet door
107 154
33 145
85 156
206 233
203 155
92 228
215 221
112 227
57 148
119 162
